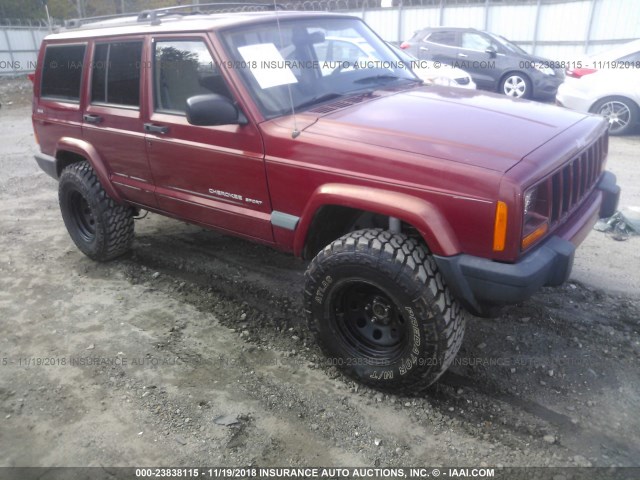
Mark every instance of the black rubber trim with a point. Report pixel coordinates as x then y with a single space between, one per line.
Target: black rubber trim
478 282
48 164
610 194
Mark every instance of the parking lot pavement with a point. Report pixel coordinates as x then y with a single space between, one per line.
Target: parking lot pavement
131 362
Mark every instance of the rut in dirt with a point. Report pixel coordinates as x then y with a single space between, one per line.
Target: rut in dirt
519 404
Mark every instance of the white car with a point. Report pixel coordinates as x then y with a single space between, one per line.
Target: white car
436 73
607 84
344 49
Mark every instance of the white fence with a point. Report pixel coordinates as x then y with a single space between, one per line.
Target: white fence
19 47
557 29
560 30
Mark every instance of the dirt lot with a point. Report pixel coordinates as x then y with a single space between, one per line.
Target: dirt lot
130 363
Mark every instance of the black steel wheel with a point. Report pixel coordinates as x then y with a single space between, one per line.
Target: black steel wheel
381 311
82 216
368 320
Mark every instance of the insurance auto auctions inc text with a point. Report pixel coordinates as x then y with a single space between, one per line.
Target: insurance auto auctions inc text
390 473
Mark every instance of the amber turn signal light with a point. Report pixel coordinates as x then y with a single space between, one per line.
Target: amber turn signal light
500 227
535 235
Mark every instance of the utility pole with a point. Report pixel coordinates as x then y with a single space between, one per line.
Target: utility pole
80 8
46 9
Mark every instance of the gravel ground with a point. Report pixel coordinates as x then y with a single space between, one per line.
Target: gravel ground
192 350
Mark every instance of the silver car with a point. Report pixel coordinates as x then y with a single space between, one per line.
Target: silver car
607 84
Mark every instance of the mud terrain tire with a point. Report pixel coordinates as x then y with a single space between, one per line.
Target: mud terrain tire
101 228
381 312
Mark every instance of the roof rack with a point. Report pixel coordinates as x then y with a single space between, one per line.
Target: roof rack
78 22
155 16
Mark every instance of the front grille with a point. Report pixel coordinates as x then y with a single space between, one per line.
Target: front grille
569 185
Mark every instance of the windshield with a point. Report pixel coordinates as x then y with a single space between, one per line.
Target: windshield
310 61
619 52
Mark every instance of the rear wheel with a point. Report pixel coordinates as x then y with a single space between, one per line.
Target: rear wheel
621 113
101 228
381 311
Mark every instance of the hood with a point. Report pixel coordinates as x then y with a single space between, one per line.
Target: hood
466 126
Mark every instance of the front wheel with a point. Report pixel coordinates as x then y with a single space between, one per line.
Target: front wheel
516 85
381 311
621 113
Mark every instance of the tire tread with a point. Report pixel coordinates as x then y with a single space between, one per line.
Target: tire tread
116 219
407 259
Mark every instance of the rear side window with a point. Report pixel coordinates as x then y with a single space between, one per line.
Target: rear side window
115 78
443 38
62 72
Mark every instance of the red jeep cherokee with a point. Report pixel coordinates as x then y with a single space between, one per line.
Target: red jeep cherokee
413 203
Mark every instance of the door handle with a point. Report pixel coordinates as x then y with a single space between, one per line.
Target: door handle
424 48
462 55
152 127
92 118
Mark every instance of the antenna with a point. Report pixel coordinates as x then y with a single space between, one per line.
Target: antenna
296 132
46 9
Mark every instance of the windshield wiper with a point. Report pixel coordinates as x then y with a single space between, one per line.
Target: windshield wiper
377 78
325 97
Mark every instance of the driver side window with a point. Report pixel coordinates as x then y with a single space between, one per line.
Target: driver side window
183 69
474 41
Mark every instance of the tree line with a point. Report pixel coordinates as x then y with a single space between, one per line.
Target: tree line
66 9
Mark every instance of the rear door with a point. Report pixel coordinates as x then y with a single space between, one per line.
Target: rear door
440 46
213 175
112 119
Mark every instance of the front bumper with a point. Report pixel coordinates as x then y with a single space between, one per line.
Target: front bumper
545 86
480 284
573 95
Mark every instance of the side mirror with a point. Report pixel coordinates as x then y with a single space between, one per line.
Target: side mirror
212 109
492 52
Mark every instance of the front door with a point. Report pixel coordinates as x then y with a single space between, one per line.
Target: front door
210 175
476 61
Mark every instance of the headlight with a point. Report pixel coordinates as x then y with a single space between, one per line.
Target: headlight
529 199
535 211
544 69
